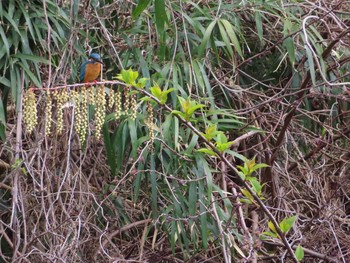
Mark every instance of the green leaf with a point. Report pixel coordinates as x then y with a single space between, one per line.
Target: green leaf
223 146
133 137
259 24
247 194
205 39
268 233
164 96
179 113
299 253
272 227
221 138
207 151
4 81
192 109
31 58
128 76
192 198
258 166
12 22
110 152
243 169
242 175
156 91
154 194
30 74
27 18
142 5
160 15
288 43
211 132
232 35
5 41
2 113
310 60
225 38
2 132
141 83
257 187
287 223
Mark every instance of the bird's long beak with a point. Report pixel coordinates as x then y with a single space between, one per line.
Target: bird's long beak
99 61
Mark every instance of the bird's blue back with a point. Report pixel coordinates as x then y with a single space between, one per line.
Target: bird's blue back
83 66
83 70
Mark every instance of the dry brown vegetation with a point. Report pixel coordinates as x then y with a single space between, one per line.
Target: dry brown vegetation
270 78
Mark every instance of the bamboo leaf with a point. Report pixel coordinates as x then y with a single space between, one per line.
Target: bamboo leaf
288 43
310 60
12 22
133 137
207 35
154 195
259 24
232 35
142 5
5 40
110 152
225 38
160 15
31 58
30 74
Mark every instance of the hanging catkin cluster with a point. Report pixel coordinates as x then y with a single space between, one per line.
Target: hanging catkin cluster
84 115
127 100
91 96
75 97
61 98
118 104
133 107
100 109
82 98
150 123
111 99
30 112
48 113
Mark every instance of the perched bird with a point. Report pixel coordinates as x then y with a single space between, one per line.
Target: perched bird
91 69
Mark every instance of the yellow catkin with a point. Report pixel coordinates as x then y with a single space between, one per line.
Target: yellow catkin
48 113
91 95
75 96
84 115
111 98
127 100
61 98
150 124
118 104
133 107
30 112
100 110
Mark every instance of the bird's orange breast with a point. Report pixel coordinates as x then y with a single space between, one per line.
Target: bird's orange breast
92 72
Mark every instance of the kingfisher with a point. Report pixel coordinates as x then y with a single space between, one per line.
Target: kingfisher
91 69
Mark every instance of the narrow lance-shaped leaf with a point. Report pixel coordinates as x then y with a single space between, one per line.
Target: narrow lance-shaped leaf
205 39
310 60
232 35
160 15
289 44
259 24
142 5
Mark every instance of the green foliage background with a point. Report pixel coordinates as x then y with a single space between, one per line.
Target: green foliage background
262 71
